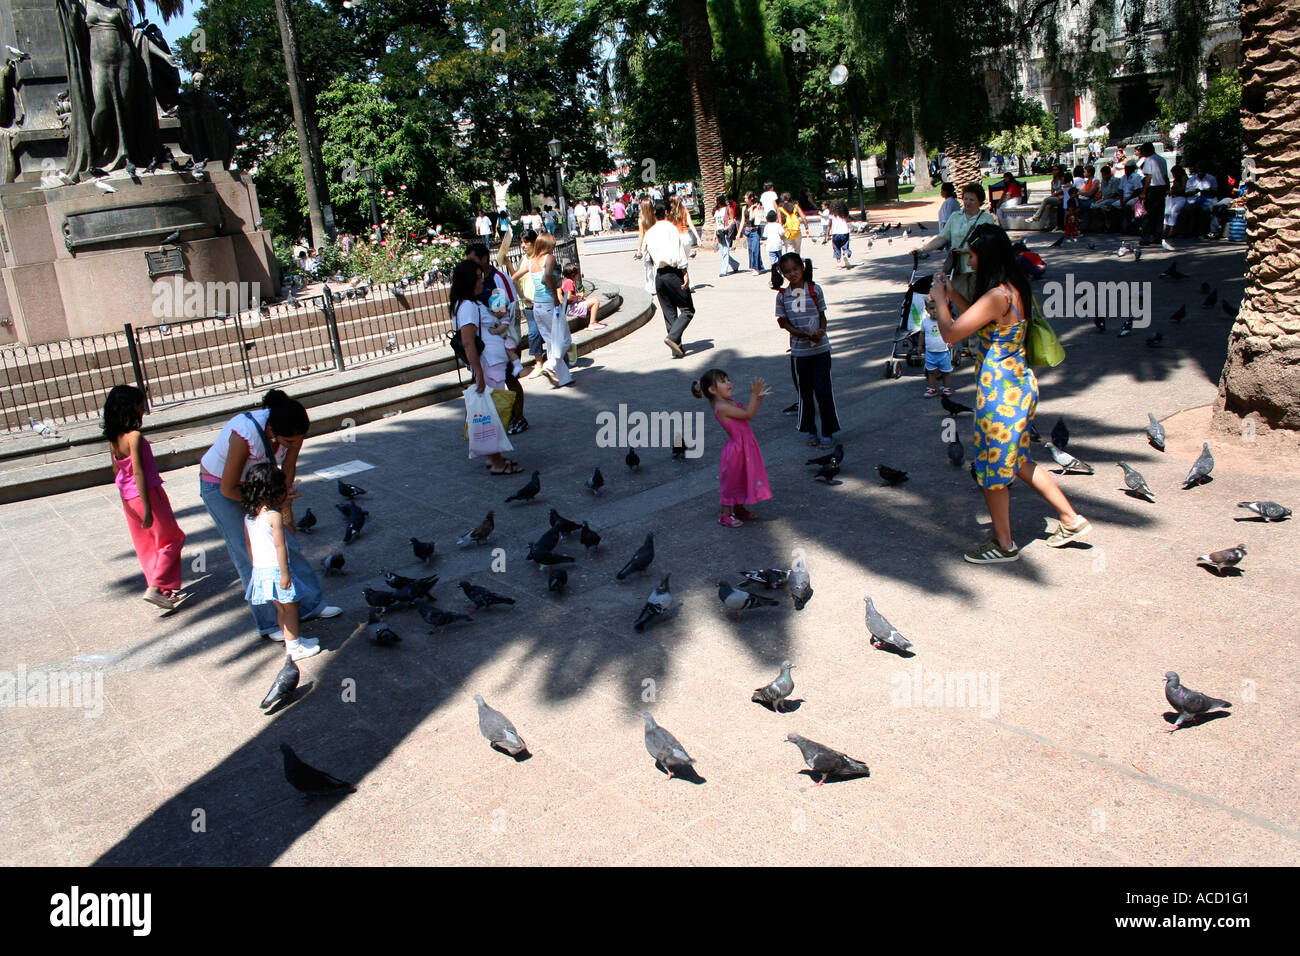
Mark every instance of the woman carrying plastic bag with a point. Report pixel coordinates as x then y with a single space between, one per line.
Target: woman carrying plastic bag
486 433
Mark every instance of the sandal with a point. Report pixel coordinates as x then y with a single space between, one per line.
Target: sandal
813 442
512 468
730 521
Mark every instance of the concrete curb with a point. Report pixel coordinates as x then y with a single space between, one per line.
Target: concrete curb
181 434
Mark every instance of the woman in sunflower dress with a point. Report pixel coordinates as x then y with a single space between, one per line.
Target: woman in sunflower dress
1008 390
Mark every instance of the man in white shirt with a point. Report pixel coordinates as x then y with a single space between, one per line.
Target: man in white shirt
664 247
768 199
1155 187
483 228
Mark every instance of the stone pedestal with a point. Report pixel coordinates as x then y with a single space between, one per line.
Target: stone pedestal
74 256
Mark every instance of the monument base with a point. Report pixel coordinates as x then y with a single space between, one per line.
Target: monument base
75 258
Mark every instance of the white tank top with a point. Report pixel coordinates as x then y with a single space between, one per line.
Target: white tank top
261 541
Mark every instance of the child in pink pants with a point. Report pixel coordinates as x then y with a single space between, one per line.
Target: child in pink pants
157 538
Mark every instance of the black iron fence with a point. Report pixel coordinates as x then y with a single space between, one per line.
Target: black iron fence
187 359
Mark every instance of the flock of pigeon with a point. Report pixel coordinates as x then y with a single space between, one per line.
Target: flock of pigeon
668 753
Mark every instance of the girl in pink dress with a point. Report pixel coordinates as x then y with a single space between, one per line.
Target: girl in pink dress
154 532
742 477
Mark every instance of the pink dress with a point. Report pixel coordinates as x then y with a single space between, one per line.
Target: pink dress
742 477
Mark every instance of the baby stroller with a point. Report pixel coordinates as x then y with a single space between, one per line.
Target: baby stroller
909 345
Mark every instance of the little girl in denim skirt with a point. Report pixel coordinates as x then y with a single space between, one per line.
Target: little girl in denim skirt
263 493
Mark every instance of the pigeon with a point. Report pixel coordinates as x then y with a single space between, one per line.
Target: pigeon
44 429
956 452
547 558
882 632
657 606
777 691
171 237
104 186
633 461
921 226
1067 461
827 762
307 779
285 683
419 588
891 476
1155 433
1201 468
1230 310
589 538
1268 510
1060 435
481 597
350 491
423 550
17 54
1154 339
1205 288
1227 558
380 598
596 482
1100 323
1212 298
799 584
1137 253
641 560
556 580
380 632
1057 242
953 408
768 577
679 448
198 172
827 472
497 729
356 522
334 563
834 458
1172 272
549 540
1135 482
566 526
391 344
1126 328
435 617
1190 704
1179 315
664 747
480 532
737 600
529 491
396 581
307 522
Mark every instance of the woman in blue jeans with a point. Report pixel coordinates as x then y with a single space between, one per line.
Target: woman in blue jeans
274 432
754 216
722 220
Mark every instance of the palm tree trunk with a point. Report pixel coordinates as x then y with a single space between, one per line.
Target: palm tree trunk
1261 377
963 164
697 42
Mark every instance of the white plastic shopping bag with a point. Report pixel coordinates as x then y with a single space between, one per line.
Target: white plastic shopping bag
916 315
487 436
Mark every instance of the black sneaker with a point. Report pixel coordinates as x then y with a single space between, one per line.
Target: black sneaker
792 410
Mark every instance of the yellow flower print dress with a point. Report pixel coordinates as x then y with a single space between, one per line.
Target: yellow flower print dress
1005 405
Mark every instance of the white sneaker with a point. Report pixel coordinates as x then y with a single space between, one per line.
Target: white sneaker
1166 245
276 635
537 372
517 367
328 611
302 648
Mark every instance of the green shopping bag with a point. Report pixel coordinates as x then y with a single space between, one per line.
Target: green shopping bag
1042 347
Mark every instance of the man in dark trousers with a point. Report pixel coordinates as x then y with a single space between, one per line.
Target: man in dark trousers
664 247
1155 187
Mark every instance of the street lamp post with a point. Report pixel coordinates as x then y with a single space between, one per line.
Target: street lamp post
553 147
840 76
368 174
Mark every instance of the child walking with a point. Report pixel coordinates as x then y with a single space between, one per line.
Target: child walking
839 232
157 538
742 476
264 491
772 237
938 356
801 311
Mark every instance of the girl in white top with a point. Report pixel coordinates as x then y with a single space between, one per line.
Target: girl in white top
264 491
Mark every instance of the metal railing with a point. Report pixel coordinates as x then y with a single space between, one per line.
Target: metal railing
187 359
64 381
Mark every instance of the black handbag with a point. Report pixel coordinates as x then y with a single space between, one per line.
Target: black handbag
458 346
